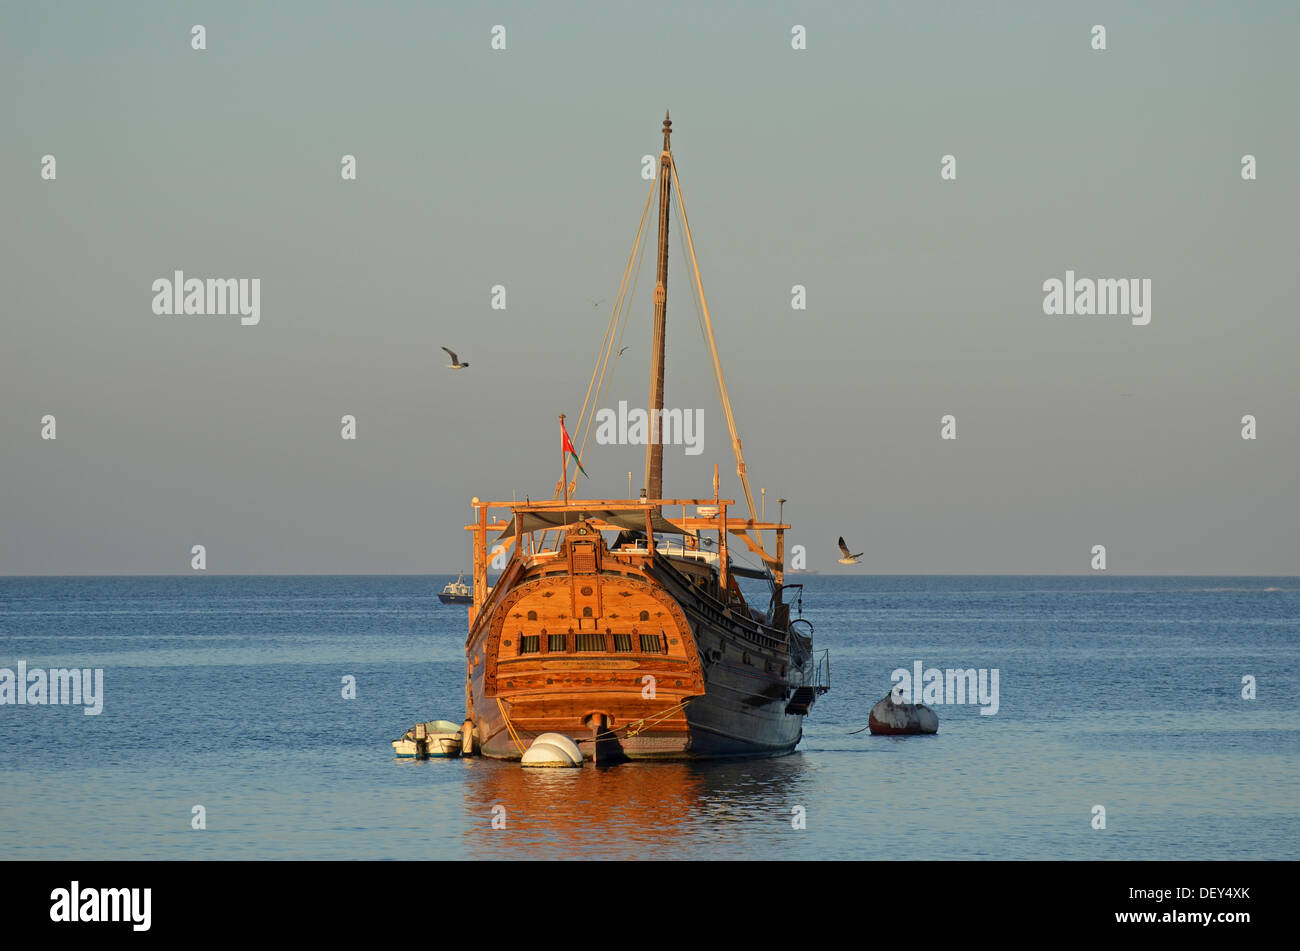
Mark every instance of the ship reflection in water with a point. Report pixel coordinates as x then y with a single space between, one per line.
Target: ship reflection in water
633 810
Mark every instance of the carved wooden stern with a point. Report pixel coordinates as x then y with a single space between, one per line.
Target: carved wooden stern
584 641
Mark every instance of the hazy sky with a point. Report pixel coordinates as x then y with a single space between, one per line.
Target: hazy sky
522 168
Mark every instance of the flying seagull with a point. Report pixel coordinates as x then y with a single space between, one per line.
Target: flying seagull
455 361
628 347
596 301
849 558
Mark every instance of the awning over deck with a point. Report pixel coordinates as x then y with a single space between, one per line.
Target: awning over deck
633 519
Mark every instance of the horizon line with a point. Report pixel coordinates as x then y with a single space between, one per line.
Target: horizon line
835 574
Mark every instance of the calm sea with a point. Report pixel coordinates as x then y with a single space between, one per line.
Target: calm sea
226 692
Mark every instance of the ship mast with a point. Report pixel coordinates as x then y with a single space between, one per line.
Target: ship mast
654 457
654 464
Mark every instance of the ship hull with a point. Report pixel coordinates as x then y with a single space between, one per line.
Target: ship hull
733 718
721 687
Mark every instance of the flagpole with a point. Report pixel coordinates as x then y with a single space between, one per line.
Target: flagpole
564 464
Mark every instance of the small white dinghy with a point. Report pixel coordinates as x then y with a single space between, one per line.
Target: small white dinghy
440 738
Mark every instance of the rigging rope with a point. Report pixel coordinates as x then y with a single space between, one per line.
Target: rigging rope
619 315
607 380
713 350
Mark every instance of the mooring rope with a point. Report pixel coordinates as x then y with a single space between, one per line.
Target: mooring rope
647 721
632 729
510 727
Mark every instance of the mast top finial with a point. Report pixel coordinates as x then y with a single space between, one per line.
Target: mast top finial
668 130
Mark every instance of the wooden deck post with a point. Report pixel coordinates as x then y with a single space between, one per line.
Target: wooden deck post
480 562
780 556
722 553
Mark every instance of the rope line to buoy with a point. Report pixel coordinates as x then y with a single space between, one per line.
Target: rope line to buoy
651 720
646 721
632 729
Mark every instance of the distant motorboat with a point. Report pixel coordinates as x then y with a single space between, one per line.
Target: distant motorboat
458 592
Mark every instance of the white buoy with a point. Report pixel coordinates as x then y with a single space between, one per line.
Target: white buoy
564 743
561 752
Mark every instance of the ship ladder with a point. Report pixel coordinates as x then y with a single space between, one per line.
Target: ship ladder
802 700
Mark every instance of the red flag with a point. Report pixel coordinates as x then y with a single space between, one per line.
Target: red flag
567 446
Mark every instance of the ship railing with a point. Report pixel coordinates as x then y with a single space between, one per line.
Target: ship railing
822 670
671 548
798 589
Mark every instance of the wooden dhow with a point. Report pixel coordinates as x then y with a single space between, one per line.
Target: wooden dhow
621 625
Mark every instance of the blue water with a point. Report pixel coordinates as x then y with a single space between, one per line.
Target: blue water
226 692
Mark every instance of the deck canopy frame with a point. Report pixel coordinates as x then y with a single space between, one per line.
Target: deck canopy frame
644 515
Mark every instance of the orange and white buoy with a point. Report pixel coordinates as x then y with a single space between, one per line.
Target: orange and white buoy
891 717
